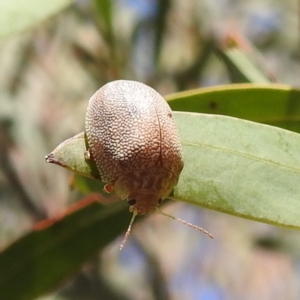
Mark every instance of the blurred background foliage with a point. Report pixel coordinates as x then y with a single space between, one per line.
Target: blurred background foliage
53 58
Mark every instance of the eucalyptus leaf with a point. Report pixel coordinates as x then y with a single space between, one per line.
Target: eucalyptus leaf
236 166
273 104
240 168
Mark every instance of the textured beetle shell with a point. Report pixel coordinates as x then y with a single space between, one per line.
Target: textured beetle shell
133 139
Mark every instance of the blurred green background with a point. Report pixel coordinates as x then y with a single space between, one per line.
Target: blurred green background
55 56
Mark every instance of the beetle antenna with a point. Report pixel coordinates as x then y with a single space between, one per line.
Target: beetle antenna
186 223
128 230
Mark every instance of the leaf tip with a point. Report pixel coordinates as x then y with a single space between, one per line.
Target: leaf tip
51 159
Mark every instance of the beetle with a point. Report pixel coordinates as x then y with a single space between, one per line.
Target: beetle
134 142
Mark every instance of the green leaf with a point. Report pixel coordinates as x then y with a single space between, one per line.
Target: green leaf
42 259
238 167
273 104
18 15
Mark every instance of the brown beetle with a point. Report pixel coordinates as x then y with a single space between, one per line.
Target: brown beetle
134 142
